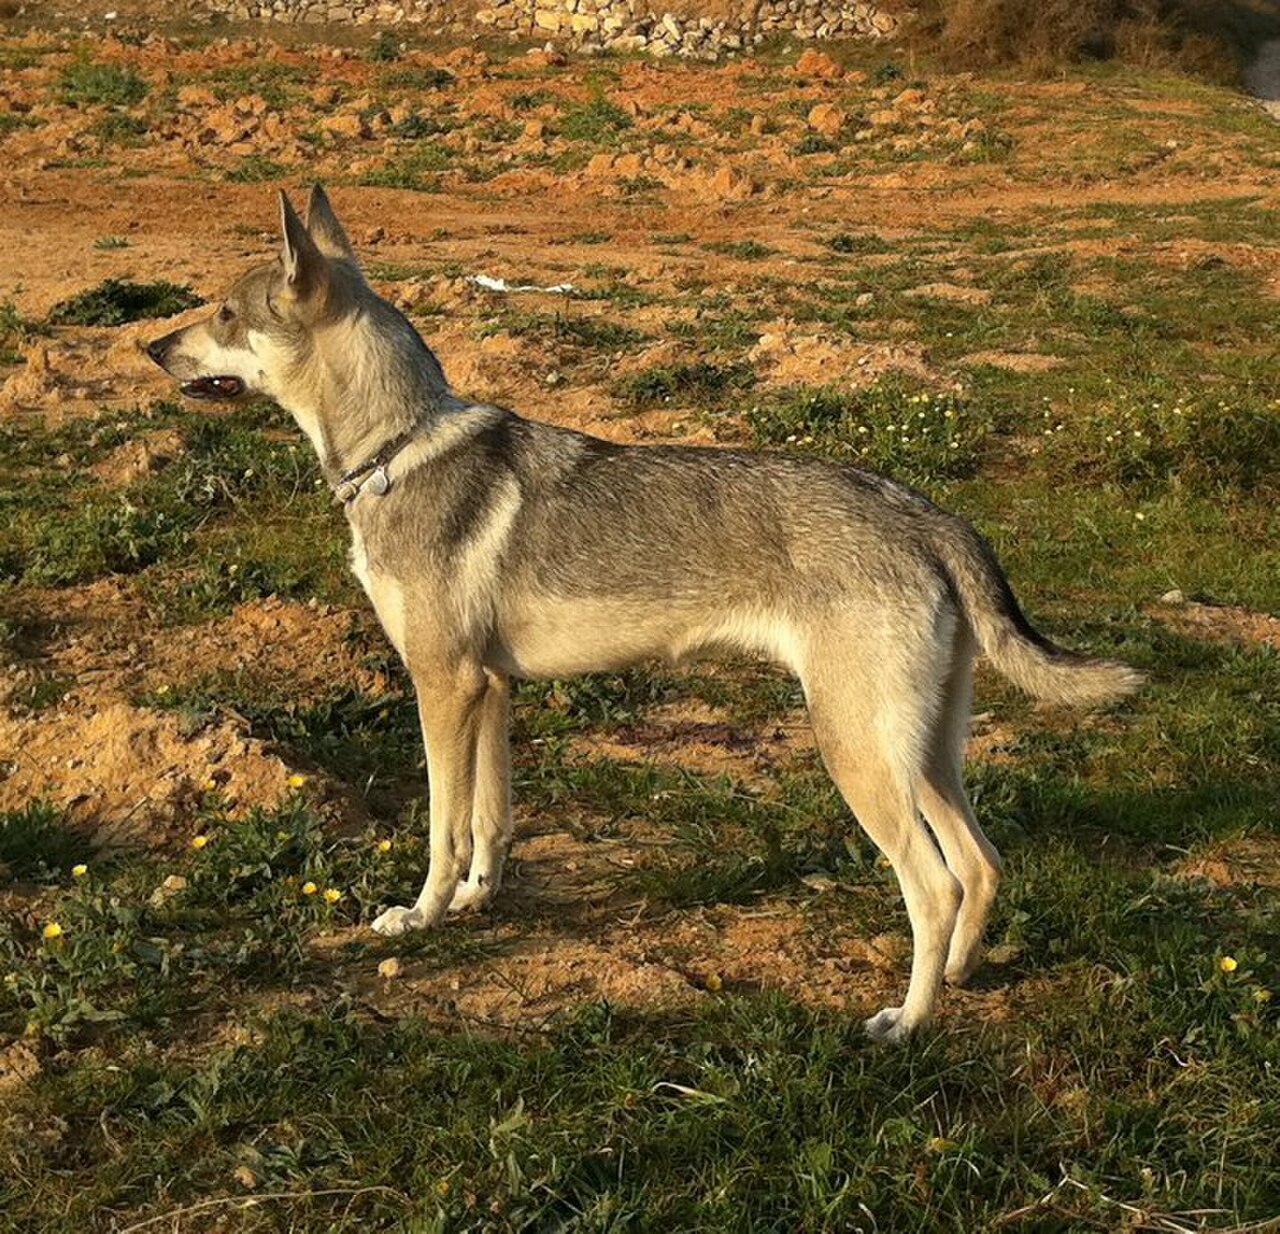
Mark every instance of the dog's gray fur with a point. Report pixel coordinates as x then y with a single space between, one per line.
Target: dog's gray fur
508 548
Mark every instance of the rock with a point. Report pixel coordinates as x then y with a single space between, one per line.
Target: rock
196 96
344 125
1176 596
628 165
732 182
827 119
600 165
814 63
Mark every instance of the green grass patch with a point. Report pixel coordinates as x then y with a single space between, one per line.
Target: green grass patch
113 302
39 844
744 250
919 436
699 382
597 120
255 168
112 85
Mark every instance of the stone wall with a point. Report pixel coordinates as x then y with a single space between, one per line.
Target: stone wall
619 25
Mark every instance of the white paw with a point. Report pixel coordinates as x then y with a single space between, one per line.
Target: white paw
888 1025
470 896
397 921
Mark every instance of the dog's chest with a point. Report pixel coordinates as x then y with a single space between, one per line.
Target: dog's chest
383 591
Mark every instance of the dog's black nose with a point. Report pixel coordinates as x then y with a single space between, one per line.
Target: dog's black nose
157 348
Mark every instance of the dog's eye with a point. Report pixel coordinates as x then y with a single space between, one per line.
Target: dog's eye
225 314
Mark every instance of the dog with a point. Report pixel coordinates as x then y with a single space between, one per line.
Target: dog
494 547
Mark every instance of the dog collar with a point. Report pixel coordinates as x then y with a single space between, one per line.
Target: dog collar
371 477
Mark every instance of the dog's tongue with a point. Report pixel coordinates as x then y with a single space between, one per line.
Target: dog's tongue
213 387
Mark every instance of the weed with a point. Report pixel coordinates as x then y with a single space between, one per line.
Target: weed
921 438
416 171
15 332
37 842
111 85
597 120
847 242
383 48
592 333
815 143
114 302
428 78
1183 440
255 168
744 250
119 129
415 127
696 382
109 243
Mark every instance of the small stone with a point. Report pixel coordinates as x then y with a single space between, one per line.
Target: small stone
389 968
1176 596
814 63
827 119
733 182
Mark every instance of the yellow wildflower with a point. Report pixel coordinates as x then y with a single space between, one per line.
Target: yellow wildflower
79 871
51 930
199 841
714 982
1261 995
309 888
332 895
1228 964
384 846
297 781
210 785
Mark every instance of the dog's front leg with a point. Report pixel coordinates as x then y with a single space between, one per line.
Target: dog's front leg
491 809
450 706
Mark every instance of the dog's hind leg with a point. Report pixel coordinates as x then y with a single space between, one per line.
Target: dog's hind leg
491 808
450 706
971 857
870 728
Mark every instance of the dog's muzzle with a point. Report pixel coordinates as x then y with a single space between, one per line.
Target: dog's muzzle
199 387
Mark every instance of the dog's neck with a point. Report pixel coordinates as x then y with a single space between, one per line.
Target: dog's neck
370 380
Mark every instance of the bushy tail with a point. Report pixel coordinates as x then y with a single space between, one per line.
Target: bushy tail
1009 641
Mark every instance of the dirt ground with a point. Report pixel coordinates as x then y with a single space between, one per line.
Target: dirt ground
130 771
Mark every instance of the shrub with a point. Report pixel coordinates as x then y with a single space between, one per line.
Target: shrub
1212 37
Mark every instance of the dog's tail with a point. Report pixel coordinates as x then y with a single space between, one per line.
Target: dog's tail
1011 643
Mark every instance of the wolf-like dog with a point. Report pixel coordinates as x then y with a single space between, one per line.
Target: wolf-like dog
495 547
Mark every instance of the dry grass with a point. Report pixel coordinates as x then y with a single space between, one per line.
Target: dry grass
1212 38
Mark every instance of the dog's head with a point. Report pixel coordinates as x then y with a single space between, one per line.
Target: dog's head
263 333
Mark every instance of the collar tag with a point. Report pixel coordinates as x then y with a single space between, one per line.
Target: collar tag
378 483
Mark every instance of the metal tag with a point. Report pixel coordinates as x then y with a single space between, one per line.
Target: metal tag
377 483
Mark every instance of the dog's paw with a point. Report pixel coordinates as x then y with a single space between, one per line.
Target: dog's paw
962 966
888 1026
397 921
470 897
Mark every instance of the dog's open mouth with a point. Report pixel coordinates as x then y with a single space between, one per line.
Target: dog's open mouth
213 387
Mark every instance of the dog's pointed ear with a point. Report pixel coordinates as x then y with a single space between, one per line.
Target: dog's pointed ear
325 230
305 267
